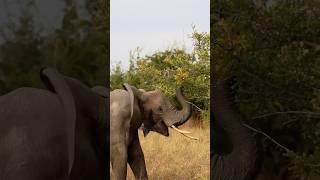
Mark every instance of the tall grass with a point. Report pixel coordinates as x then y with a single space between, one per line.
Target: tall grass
176 156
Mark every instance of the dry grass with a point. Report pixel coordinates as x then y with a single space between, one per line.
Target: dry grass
176 156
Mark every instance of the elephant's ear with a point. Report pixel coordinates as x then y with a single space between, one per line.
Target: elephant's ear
102 91
133 92
56 83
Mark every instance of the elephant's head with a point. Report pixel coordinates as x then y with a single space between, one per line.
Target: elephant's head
159 113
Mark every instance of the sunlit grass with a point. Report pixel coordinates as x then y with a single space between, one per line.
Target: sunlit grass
176 156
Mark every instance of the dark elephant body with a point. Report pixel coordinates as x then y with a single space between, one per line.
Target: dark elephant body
53 134
240 158
31 131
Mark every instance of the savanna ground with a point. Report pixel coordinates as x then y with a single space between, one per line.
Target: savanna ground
176 156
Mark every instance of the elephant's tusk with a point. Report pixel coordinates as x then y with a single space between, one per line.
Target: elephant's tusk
184 133
181 131
190 137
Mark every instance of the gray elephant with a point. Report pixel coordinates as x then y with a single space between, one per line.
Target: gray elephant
54 133
130 108
239 157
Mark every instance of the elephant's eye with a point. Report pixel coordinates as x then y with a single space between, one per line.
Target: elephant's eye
160 109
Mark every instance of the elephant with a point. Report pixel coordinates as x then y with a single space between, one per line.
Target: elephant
240 158
129 109
55 133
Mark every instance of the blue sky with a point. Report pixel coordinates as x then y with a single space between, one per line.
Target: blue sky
154 25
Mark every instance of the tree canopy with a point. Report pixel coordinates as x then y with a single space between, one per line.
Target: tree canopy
169 68
272 49
78 48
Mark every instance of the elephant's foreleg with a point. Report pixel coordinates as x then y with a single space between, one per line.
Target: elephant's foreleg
119 161
136 159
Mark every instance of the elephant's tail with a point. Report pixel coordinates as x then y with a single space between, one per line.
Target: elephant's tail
56 83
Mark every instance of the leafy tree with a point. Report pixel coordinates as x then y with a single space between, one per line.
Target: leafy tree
78 48
167 69
117 78
272 49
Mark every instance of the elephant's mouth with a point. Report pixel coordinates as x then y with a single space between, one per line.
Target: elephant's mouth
156 128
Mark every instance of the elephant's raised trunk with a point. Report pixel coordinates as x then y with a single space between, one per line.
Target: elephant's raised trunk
186 107
242 160
179 117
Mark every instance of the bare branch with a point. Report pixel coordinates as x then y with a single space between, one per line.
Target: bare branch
287 112
313 165
201 110
267 136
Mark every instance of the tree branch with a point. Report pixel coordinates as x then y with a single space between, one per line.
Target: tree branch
267 136
287 112
201 110
313 165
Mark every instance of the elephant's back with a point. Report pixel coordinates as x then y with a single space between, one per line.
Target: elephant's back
119 99
33 108
32 132
119 105
28 109
119 113
118 93
28 103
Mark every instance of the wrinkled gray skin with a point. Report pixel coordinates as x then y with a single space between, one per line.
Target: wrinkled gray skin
130 108
240 159
53 133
